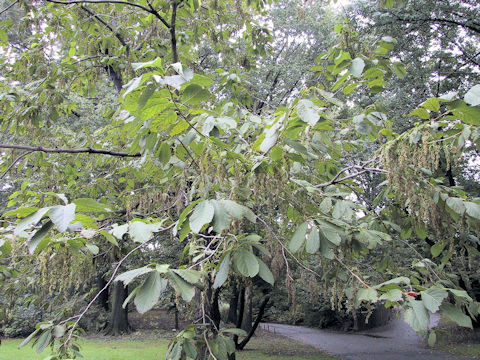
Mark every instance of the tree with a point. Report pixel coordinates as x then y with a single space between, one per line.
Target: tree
176 156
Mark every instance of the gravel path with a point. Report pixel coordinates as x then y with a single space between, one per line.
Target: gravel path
395 341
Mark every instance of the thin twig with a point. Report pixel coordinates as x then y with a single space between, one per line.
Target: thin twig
14 162
208 346
8 7
351 272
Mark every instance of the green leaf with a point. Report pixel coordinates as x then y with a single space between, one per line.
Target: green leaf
246 263
43 341
110 238
62 216
30 220
90 205
201 215
164 152
194 94
393 295
438 247
331 235
416 315
456 204
119 230
59 331
455 314
129 276
39 236
149 294
433 298
141 232
357 67
190 276
265 273
28 338
308 112
472 209
472 97
298 237
432 104
186 290
421 113
465 113
366 294
313 241
222 272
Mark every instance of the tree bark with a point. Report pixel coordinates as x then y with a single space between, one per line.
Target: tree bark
233 310
248 308
119 316
261 311
103 298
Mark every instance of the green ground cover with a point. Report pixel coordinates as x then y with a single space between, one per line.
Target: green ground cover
265 347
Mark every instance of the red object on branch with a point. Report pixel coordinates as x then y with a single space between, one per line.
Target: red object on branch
411 293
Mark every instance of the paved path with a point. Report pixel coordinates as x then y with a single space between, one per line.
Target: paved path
395 341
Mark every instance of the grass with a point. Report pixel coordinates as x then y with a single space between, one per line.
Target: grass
265 346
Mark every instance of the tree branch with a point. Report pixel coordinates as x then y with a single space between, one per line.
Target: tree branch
149 10
69 151
8 7
173 36
108 26
14 162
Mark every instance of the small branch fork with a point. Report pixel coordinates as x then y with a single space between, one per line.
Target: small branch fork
69 151
361 169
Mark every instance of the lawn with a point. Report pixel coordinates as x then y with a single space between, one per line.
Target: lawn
265 346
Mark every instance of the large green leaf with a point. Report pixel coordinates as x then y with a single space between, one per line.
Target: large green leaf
189 275
246 263
433 298
201 215
357 66
416 315
194 94
62 216
313 241
265 273
366 294
43 341
467 114
472 209
142 232
149 294
298 237
456 204
455 314
90 205
308 112
30 220
330 234
129 276
39 236
472 97
222 272
186 290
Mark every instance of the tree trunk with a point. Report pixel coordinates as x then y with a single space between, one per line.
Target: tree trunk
247 311
233 310
103 298
119 316
261 311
